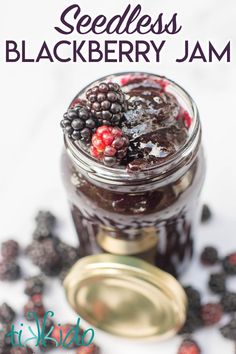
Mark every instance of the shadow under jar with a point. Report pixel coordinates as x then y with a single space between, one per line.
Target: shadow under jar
152 213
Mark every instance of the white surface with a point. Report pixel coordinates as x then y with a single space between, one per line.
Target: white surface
34 96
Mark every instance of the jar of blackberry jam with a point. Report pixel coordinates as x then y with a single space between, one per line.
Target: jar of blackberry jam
140 199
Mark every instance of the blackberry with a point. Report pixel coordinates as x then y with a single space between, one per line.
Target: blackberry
60 333
44 254
34 285
68 254
7 314
90 349
194 298
189 346
209 256
10 249
206 213
107 103
21 350
5 341
229 264
193 322
9 270
45 217
34 305
228 301
79 124
217 283
211 314
229 330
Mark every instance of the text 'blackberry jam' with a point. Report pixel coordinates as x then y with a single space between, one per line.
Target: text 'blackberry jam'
133 168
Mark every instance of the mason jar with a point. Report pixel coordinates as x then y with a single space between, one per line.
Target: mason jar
151 214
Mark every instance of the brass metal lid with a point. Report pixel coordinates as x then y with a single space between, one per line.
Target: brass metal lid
126 296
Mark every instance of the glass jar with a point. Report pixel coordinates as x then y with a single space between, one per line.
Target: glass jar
151 214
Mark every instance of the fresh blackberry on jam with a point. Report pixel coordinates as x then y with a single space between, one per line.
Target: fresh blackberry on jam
189 346
34 305
206 213
7 314
68 254
209 256
34 285
79 124
44 254
10 249
211 314
228 301
107 103
229 330
229 264
90 349
109 145
217 283
9 270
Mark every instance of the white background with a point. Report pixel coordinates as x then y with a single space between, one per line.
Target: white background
34 97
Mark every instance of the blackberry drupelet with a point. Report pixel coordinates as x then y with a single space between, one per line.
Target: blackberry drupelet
229 330
10 249
107 103
9 270
211 314
79 124
189 346
7 314
34 285
217 283
209 256
229 264
228 301
44 254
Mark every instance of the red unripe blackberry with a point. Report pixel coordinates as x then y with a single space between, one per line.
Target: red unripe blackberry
109 145
107 103
34 305
189 346
211 314
229 264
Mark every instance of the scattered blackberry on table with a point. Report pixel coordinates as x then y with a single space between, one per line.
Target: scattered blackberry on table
229 330
7 314
60 333
194 298
79 124
217 283
228 301
109 145
9 270
193 322
211 314
68 254
189 346
45 217
206 213
34 304
90 349
229 264
209 256
45 223
107 103
21 350
10 249
34 285
44 254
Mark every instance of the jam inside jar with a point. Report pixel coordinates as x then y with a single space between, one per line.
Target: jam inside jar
150 212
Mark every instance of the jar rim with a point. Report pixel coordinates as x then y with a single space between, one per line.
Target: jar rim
81 158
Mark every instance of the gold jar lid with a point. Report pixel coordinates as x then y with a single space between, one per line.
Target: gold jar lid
126 296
